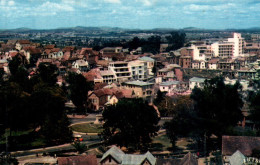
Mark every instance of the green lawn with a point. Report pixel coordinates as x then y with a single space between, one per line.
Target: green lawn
161 143
87 128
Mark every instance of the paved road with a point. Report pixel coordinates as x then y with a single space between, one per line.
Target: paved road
90 117
40 151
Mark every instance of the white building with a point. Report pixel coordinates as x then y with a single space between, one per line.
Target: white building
232 47
168 86
121 70
238 44
81 65
196 81
150 64
199 52
138 69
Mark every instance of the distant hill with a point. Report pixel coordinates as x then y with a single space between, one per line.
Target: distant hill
118 29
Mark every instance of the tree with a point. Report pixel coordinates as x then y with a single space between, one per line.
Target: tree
130 122
48 74
218 106
176 40
184 122
255 110
78 90
48 113
152 45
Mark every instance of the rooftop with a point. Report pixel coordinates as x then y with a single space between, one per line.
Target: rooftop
138 83
197 79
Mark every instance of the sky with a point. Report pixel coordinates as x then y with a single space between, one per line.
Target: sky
141 14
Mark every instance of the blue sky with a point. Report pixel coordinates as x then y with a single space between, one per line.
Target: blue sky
142 14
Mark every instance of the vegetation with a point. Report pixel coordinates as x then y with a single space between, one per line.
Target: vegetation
36 104
87 128
131 122
78 90
217 109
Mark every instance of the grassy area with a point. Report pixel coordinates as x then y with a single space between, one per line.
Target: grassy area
21 140
87 128
161 143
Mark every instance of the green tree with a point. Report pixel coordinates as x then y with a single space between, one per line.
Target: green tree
255 110
48 113
130 122
218 106
176 40
184 122
78 90
48 74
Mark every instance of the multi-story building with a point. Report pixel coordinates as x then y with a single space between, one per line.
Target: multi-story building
238 44
232 47
139 70
140 89
222 49
150 64
121 70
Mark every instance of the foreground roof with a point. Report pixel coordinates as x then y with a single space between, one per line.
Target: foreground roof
128 159
245 144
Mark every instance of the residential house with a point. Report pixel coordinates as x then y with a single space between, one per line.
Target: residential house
213 64
21 44
188 159
196 81
115 156
141 89
78 160
168 86
245 144
81 65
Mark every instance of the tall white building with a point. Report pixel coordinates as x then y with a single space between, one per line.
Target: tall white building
232 47
238 44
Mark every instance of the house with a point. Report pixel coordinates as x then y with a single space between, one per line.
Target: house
141 89
196 81
188 159
236 159
168 86
245 144
82 65
213 64
21 44
78 160
116 156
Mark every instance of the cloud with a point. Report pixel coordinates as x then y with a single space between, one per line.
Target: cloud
112 1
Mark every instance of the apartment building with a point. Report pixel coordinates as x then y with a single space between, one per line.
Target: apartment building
139 70
140 89
121 70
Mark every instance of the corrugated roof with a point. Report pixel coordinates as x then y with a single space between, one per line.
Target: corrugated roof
197 79
237 158
138 83
128 159
167 83
149 59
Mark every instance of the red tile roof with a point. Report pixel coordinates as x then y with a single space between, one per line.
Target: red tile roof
78 160
24 42
245 144
49 47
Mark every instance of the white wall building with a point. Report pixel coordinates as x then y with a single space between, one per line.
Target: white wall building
138 69
121 70
196 81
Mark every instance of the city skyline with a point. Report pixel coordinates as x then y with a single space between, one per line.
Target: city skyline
140 14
